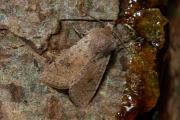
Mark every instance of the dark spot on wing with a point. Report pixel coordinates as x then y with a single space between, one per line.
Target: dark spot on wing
65 63
68 65
90 80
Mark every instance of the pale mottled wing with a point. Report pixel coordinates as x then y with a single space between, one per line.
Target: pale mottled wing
83 89
60 73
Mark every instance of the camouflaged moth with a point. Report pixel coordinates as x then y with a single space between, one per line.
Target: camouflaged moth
81 67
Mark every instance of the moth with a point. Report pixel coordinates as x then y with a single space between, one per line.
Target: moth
81 67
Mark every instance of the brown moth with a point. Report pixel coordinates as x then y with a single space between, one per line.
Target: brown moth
81 67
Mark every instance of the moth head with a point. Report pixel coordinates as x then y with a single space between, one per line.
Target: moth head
109 26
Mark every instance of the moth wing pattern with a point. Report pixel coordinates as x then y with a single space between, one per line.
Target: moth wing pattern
81 68
60 73
89 78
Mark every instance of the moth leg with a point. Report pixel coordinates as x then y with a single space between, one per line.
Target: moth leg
86 82
129 44
77 32
81 35
122 47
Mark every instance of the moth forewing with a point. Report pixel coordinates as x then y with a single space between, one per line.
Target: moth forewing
82 66
86 82
89 78
62 71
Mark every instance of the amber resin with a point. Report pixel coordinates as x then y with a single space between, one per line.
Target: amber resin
141 89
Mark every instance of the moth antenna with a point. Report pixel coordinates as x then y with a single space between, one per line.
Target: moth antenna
93 18
105 25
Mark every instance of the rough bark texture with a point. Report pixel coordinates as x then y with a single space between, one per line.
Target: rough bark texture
27 29
32 30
